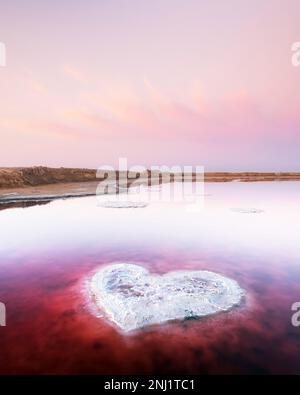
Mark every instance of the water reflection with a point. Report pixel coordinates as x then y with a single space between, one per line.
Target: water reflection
47 253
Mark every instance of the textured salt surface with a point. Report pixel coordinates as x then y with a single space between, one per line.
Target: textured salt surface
133 298
247 210
122 204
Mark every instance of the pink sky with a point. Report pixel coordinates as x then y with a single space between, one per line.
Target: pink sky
166 82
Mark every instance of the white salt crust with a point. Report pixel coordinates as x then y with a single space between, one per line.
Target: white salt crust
133 298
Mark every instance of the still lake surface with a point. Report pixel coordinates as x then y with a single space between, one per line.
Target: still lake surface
249 232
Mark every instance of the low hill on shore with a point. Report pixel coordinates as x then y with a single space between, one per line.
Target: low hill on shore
19 177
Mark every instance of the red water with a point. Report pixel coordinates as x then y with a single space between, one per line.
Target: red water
50 328
48 253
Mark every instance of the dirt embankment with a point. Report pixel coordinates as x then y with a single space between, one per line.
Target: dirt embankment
19 177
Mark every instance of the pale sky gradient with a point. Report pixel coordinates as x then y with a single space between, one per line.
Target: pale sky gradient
168 82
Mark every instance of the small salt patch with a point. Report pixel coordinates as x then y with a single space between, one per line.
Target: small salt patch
122 204
247 210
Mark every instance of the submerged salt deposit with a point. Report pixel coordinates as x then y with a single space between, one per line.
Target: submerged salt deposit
133 298
122 204
247 210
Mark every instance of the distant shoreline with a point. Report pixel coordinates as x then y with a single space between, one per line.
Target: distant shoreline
22 177
24 187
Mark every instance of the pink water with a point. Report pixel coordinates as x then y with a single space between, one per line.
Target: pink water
48 253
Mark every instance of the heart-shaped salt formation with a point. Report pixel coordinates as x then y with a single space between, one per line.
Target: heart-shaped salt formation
133 298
